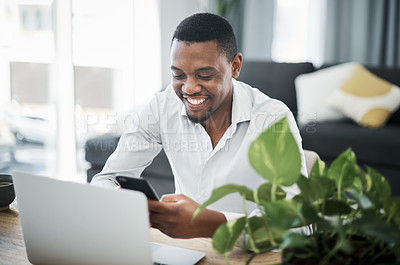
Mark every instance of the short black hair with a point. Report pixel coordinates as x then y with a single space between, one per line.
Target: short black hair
202 27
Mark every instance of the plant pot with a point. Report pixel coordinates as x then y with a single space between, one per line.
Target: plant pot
340 258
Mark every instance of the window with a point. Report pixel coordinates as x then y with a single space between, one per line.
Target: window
298 31
68 69
26 57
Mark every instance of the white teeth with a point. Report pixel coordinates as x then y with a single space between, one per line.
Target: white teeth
196 101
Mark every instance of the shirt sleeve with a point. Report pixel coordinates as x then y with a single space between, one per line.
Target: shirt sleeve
136 149
231 216
105 181
296 134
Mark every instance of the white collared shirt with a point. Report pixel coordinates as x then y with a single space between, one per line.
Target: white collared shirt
199 168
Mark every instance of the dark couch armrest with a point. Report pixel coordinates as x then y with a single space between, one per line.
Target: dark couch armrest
159 173
99 148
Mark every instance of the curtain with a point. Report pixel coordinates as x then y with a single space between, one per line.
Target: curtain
232 10
252 22
366 31
257 31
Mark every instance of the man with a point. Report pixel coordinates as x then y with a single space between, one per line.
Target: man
205 121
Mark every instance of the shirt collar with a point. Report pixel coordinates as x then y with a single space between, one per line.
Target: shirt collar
241 105
183 109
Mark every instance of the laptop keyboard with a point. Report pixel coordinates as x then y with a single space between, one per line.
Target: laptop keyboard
154 247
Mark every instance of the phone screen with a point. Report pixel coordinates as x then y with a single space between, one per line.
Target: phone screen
138 184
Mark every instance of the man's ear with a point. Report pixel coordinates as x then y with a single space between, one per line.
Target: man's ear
237 65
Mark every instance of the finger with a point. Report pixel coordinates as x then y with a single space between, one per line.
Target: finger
157 207
172 197
169 198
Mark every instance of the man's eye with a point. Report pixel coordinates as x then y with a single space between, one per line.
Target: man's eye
178 76
205 77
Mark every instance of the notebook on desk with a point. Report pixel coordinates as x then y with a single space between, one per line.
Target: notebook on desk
72 223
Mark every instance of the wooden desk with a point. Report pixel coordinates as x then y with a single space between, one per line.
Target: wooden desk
12 247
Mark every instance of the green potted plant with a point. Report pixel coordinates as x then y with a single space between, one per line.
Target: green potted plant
354 217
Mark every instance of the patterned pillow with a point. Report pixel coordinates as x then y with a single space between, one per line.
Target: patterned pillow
365 98
312 89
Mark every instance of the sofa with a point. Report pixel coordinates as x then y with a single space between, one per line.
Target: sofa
99 148
377 148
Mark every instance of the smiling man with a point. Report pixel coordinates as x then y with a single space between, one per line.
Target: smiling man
205 121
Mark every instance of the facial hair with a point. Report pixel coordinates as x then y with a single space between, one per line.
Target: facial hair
201 119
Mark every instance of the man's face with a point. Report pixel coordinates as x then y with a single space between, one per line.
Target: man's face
202 79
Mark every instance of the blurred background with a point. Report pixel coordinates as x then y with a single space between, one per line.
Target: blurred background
74 69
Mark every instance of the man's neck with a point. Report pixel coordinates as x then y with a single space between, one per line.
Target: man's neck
217 125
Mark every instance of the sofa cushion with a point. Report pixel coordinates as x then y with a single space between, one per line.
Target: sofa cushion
365 98
390 74
393 76
275 79
314 89
372 147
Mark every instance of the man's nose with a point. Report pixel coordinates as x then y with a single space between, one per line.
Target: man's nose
191 87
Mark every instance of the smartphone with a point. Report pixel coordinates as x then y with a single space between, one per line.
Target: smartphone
138 184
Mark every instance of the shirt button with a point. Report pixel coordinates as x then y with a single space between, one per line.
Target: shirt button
205 194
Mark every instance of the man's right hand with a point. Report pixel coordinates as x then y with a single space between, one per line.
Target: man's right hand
172 215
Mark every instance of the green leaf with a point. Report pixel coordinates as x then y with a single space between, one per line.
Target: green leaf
259 233
325 226
316 188
335 207
309 213
366 182
392 207
264 193
221 192
345 245
363 201
281 215
319 169
227 234
374 226
396 251
295 240
331 226
359 184
343 169
275 154
380 190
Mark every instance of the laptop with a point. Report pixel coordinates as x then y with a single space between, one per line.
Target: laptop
74 223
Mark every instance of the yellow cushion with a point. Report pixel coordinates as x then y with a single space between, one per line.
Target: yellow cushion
365 98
